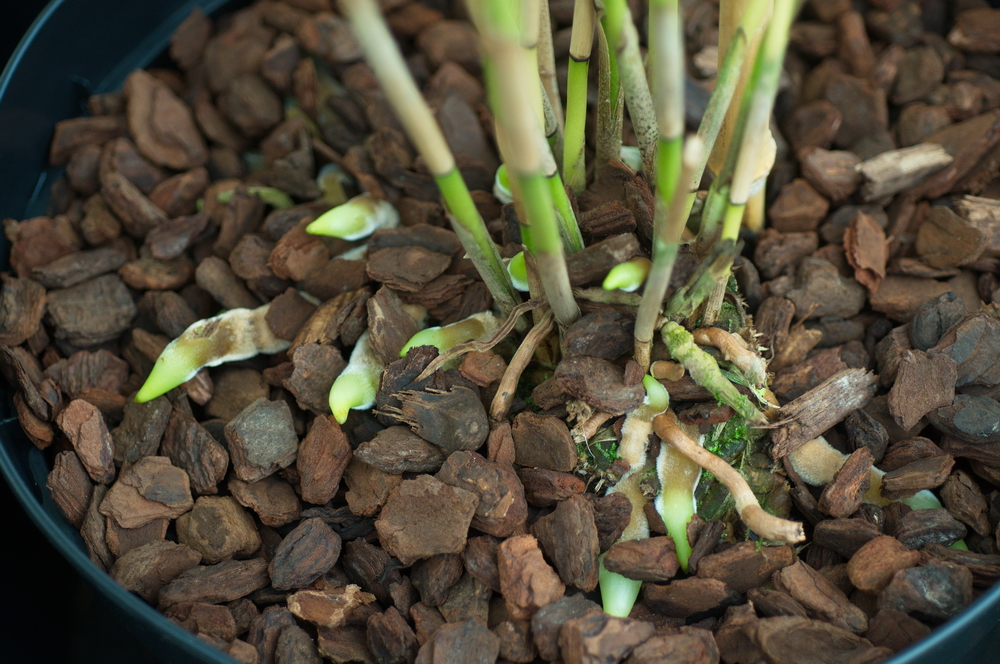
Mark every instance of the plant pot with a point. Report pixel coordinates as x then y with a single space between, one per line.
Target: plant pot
48 80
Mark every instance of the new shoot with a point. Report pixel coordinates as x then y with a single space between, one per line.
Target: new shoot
356 386
356 219
477 327
676 503
619 593
237 334
627 276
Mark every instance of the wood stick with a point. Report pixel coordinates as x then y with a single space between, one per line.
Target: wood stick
508 384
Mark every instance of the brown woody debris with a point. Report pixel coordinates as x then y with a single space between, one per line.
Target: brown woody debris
919 528
873 565
149 490
424 517
466 642
569 536
84 425
820 597
544 488
367 487
304 554
222 582
391 638
844 536
844 494
190 446
273 500
322 458
219 529
683 598
261 439
502 508
652 559
543 441
526 580
790 639
927 473
146 569
70 486
397 450
600 637
936 591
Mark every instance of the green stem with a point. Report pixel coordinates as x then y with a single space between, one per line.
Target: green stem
550 260
610 104
623 40
390 69
666 244
574 138
568 227
468 225
705 372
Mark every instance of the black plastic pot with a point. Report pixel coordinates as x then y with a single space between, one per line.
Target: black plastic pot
79 47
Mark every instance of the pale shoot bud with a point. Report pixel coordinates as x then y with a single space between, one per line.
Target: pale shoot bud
357 218
237 334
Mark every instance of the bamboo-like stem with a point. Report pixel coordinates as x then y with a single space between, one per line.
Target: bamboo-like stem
623 40
547 70
574 139
667 63
751 131
394 76
512 102
755 132
610 104
666 243
753 515
731 13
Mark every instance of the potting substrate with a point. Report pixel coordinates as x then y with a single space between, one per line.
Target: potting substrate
440 526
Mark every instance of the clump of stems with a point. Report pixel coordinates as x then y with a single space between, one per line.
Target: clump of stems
389 67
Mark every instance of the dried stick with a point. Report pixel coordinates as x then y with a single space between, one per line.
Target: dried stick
508 384
765 525
586 430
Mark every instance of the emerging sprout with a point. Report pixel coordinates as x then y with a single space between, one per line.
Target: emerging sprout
357 218
705 371
274 197
357 384
631 157
618 593
627 276
518 271
676 503
238 334
501 186
477 327
816 462
331 180
753 515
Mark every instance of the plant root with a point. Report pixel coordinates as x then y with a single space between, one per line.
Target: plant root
753 515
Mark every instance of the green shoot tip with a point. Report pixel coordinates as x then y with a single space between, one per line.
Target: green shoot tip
627 276
357 218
